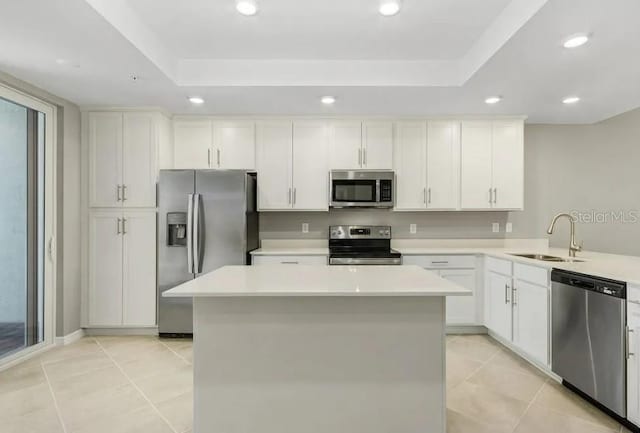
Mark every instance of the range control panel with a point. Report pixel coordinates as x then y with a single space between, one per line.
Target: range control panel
360 232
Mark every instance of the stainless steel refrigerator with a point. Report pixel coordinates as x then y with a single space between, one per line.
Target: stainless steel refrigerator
206 219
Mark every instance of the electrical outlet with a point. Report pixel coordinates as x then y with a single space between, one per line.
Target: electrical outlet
496 227
508 228
305 227
413 228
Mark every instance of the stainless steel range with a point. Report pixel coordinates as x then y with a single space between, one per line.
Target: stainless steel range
362 245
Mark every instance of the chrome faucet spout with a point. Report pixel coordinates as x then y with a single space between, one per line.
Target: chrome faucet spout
573 246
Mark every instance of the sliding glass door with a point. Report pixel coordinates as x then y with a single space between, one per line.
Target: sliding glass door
25 224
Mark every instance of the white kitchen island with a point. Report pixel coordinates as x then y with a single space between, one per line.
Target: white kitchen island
319 349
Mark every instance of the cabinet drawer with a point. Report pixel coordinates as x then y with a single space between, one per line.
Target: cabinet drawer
289 260
532 274
633 295
441 261
499 266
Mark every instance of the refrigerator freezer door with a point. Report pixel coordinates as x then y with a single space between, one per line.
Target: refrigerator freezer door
222 234
174 189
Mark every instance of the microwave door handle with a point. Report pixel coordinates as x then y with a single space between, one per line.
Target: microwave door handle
190 235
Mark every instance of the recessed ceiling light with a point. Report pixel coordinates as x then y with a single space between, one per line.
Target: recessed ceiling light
575 41
493 100
389 8
196 100
328 100
247 7
570 100
61 61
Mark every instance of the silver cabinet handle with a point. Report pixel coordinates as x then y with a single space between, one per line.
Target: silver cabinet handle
289 197
490 195
196 234
124 192
190 234
118 193
295 190
289 263
364 156
440 262
495 195
218 156
360 157
424 195
506 293
118 225
514 297
429 195
628 352
124 226
209 158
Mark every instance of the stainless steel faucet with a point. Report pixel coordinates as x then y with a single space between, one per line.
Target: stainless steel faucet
573 246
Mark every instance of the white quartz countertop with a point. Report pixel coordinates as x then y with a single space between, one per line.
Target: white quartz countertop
612 266
318 280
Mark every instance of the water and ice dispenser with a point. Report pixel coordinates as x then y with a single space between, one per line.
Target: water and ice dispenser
177 229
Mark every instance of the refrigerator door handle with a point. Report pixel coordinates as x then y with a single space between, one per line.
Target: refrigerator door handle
197 268
190 235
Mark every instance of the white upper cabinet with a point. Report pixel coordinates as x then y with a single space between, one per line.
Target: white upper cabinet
410 164
310 168
476 186
192 143
377 145
122 159
139 160
345 148
234 145
274 142
492 165
508 165
105 159
443 165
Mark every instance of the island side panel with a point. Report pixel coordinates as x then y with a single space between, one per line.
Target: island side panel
319 364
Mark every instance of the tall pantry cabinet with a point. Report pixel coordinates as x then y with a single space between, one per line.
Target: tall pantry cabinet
123 153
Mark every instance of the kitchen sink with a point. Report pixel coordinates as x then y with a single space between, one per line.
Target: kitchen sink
546 258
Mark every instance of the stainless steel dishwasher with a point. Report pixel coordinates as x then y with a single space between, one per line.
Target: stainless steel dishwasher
588 336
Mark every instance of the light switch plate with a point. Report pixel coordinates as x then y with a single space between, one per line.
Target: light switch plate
413 228
496 227
508 228
305 227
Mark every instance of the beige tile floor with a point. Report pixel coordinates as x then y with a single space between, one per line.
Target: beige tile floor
144 385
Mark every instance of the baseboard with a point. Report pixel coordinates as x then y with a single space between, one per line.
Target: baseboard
122 331
70 338
465 329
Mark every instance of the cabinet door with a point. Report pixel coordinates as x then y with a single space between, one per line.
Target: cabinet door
105 159
105 269
310 170
192 141
475 165
377 152
461 310
498 304
273 162
139 160
530 320
139 269
443 165
633 364
234 145
508 165
410 161
345 148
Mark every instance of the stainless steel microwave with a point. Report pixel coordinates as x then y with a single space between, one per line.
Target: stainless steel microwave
361 188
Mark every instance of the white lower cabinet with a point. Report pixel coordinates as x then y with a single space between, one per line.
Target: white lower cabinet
633 358
288 260
122 268
517 306
461 310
